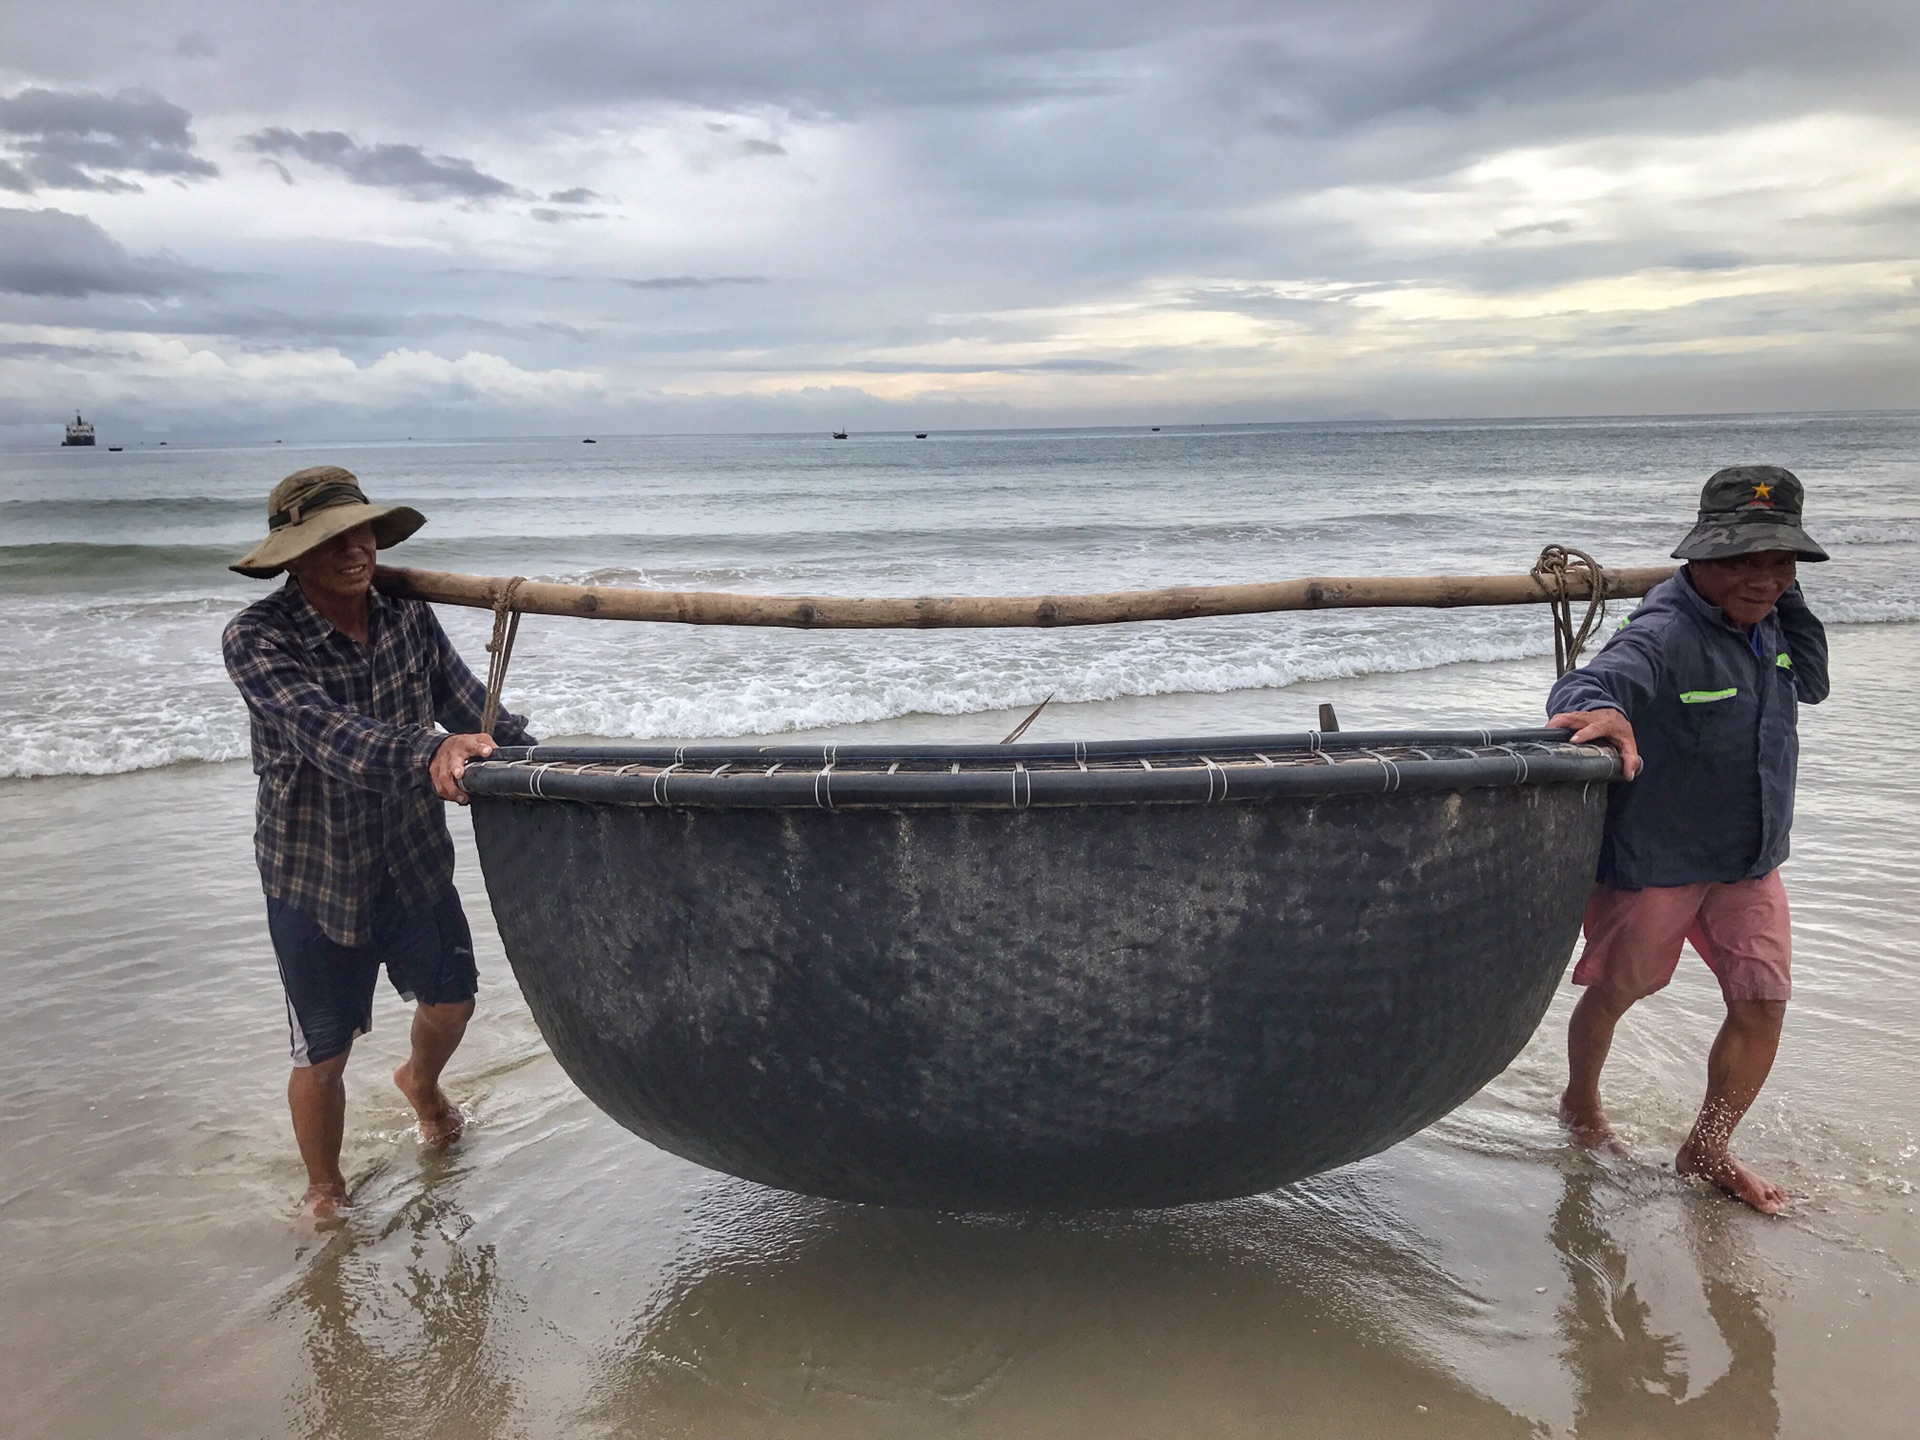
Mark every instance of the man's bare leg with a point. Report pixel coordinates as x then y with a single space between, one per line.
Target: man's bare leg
1589 1038
317 1096
1737 1067
436 1035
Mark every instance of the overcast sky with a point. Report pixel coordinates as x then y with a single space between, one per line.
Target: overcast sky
490 218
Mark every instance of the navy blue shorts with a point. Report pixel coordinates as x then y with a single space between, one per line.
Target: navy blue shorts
428 954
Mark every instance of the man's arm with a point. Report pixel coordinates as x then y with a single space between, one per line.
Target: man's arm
1806 641
1599 700
344 743
1624 675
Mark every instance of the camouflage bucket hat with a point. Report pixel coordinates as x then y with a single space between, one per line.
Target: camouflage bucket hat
1745 509
310 507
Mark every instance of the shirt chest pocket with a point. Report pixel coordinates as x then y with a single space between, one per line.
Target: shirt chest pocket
407 698
1784 686
402 687
1709 701
1711 716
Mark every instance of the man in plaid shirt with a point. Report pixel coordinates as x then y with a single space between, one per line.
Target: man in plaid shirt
346 690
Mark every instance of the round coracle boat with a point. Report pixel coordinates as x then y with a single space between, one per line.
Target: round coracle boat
1059 975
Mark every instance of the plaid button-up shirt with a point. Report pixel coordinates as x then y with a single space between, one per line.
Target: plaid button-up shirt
343 734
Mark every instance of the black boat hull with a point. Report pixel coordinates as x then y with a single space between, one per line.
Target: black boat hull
1074 1005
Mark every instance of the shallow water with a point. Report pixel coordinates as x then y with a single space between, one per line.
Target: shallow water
556 1276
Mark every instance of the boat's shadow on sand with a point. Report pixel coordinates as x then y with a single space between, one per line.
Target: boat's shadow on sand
1274 1316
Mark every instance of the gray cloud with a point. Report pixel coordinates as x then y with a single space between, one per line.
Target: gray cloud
52 253
42 350
1317 66
405 168
1711 260
578 195
691 282
84 140
912 367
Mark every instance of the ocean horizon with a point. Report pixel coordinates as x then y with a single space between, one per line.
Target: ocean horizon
113 586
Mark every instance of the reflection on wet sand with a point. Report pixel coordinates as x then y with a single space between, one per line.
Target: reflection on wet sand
401 1333
900 1323
1308 1313
1660 1338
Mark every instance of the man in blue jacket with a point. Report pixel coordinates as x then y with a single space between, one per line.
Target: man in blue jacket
1700 692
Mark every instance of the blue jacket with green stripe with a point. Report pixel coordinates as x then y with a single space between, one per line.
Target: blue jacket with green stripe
1715 711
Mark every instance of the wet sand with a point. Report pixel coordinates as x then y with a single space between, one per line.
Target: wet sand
554 1275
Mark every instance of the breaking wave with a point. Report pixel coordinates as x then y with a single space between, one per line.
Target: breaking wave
113 593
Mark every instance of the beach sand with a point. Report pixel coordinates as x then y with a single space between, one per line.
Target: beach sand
554 1275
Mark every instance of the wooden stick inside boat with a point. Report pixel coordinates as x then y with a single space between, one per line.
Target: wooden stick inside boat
943 612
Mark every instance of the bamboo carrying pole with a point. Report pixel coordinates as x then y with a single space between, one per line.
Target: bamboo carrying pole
947 612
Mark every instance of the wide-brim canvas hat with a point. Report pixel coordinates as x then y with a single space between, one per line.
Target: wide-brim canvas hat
1745 509
310 507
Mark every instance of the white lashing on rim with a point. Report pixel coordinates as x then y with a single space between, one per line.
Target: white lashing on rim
1391 760
1392 770
660 783
1519 762
1214 768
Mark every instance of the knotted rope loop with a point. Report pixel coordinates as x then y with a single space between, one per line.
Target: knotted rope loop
1551 572
506 625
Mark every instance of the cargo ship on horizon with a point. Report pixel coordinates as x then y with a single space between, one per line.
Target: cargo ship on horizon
79 432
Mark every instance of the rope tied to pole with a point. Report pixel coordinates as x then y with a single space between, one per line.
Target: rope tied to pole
1556 565
506 625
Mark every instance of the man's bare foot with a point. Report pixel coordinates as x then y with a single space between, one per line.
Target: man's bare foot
325 1202
440 1119
1588 1126
1733 1177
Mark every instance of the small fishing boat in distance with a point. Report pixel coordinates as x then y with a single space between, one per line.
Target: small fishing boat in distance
839 434
919 434
115 449
589 442
79 432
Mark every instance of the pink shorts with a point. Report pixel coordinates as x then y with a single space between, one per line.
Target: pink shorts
1740 929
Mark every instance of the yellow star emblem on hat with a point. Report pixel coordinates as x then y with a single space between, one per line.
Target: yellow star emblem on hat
1763 492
